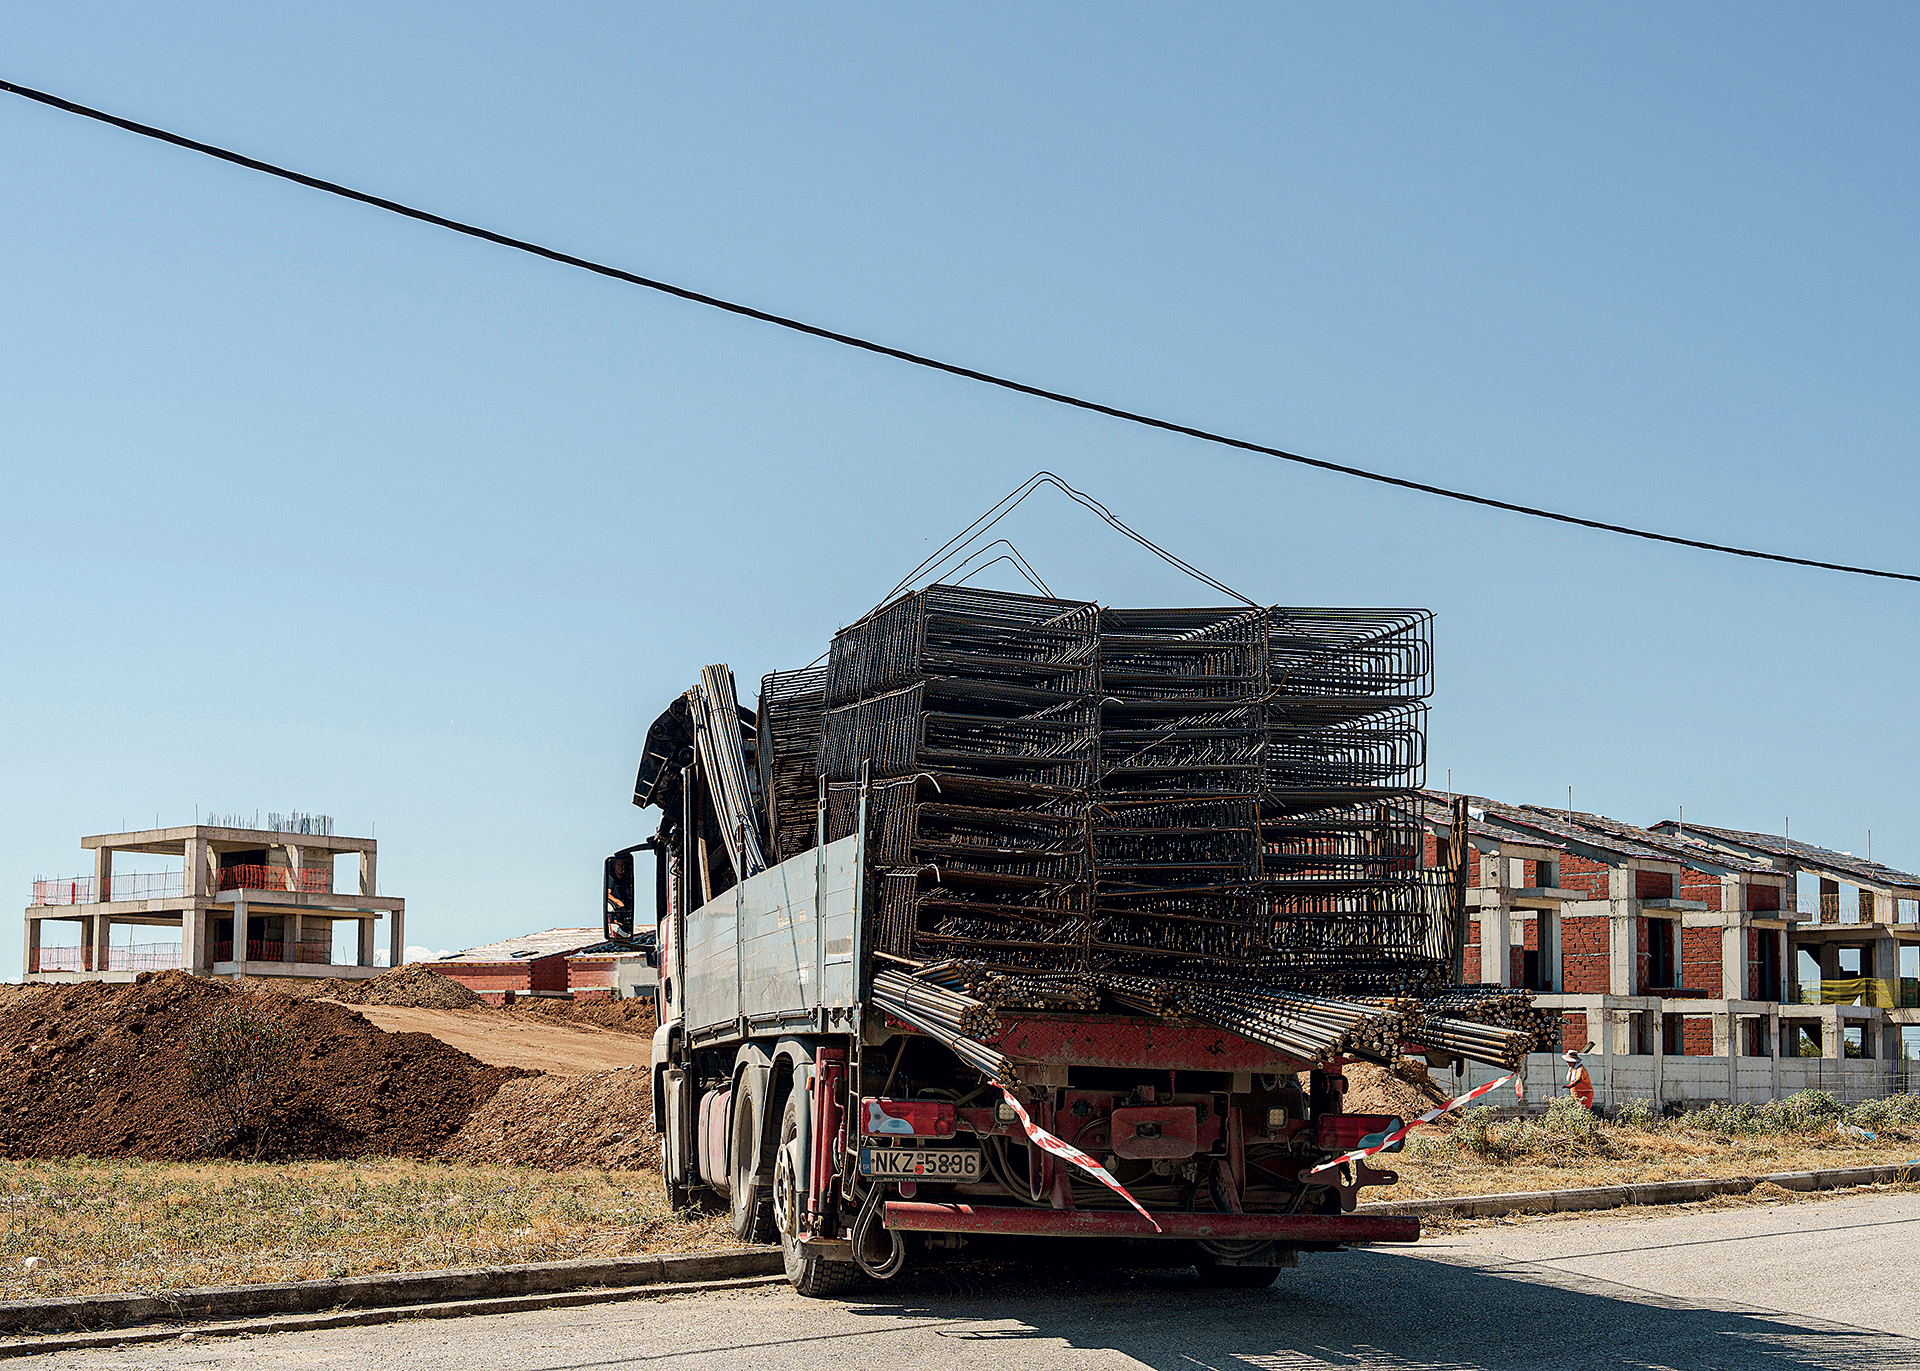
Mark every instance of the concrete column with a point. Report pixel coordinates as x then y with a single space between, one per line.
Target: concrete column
367 873
1885 955
1773 1041
194 951
102 875
1726 1032
100 937
1548 924
1732 1055
396 937
1657 1024
1622 947
1830 1044
1604 1036
197 881
365 957
240 931
1733 960
30 958
290 937
1496 943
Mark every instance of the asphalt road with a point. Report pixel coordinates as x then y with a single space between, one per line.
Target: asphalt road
1774 1288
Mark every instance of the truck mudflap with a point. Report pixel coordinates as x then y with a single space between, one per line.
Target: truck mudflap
921 1217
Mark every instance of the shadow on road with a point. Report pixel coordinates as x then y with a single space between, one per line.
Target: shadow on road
1371 1310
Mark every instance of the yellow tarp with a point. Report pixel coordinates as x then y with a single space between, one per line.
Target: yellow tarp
1874 991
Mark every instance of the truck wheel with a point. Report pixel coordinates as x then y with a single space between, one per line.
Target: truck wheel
752 1208
809 1274
1217 1277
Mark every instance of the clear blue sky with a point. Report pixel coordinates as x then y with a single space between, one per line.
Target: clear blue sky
311 507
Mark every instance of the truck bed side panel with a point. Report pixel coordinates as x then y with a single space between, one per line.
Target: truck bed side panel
768 951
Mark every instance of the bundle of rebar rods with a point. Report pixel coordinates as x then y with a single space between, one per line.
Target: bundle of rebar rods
1498 1007
962 1013
944 1017
1477 1042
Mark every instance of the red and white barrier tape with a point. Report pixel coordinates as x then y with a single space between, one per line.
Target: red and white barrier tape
1369 1146
1046 1140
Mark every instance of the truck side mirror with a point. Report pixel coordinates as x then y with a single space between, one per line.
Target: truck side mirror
617 918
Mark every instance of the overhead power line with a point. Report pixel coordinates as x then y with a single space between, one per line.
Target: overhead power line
900 354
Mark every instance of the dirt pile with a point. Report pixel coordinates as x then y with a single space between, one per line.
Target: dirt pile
100 1070
622 1016
552 1122
412 986
1405 1089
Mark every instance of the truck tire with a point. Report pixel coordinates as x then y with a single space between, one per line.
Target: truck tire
752 1207
809 1273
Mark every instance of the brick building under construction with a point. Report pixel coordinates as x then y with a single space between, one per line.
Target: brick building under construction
1702 963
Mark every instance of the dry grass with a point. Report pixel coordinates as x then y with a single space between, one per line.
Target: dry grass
1570 1148
132 1226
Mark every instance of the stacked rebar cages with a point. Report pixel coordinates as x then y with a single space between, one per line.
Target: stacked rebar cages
792 705
1351 908
975 713
1063 795
1175 822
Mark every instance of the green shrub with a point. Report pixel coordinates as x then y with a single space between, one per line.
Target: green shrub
243 1062
1894 1112
1637 1114
1567 1117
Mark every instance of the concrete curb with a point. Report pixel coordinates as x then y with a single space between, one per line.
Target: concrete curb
1650 1192
360 1318
388 1292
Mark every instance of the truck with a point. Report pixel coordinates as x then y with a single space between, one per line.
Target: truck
1028 925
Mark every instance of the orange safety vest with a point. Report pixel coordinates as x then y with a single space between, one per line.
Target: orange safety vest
1581 1087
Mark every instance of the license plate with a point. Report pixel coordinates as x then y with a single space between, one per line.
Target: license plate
921 1163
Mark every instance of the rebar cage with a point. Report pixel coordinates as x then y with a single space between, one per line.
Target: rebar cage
1223 796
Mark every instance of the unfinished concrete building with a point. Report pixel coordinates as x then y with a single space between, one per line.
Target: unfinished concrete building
1684 960
1854 951
245 902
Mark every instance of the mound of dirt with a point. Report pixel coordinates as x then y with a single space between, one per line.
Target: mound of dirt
554 1122
1406 1089
100 1070
412 986
622 1016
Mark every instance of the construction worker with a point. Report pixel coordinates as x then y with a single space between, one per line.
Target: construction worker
1578 1083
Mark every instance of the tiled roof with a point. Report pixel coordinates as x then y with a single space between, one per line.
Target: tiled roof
1677 848
1613 835
1809 855
531 945
1436 807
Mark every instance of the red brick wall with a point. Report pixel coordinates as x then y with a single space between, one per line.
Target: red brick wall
1701 885
1697 1036
1700 959
1583 954
548 973
1588 877
1653 885
1761 898
1573 1032
1516 964
1430 848
488 979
